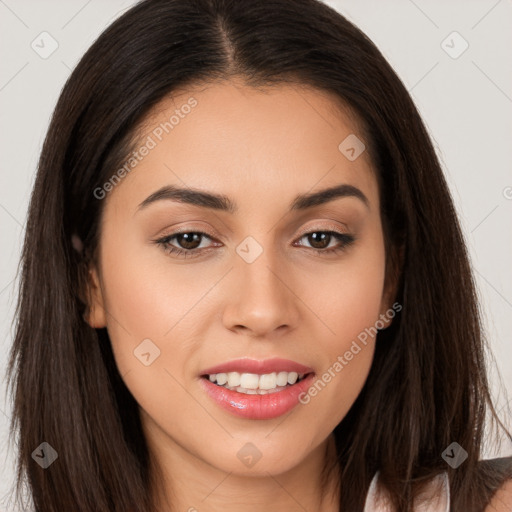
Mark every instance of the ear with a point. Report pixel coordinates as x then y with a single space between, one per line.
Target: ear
393 272
95 314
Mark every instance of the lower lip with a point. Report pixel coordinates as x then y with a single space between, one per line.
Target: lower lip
257 407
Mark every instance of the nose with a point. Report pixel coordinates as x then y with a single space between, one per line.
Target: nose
262 299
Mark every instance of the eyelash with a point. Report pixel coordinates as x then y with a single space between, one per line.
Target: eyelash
345 239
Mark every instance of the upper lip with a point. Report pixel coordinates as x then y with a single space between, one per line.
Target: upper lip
247 365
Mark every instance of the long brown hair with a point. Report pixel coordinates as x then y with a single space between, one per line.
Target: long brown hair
427 387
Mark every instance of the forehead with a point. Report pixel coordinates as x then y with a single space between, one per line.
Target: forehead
239 140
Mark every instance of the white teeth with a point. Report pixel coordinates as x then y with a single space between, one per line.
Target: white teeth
252 383
239 389
268 381
233 379
249 380
292 377
222 378
282 378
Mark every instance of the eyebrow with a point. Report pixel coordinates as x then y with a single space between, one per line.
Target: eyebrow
224 203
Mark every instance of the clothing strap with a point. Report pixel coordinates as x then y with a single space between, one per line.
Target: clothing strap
436 498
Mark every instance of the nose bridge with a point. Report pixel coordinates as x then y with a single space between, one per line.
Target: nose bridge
258 265
262 301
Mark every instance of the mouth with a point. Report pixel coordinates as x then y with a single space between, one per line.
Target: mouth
255 384
254 389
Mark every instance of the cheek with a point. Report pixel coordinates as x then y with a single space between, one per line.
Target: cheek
350 306
349 298
147 298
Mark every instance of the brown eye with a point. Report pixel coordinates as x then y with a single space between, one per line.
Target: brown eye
187 243
320 241
189 240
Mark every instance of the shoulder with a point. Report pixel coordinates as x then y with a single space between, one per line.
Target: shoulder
501 500
500 472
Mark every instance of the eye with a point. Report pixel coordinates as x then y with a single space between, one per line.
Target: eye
191 241
321 240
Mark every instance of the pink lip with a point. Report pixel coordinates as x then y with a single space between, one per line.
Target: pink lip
246 365
257 407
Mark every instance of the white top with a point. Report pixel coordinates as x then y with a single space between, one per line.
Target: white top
437 494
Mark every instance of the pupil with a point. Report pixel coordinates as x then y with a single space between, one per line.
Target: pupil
322 237
189 242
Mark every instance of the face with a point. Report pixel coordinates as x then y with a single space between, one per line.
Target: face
271 272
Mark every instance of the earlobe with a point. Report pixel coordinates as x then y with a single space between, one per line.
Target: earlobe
95 314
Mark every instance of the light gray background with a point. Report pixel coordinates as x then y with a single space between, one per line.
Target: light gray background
466 103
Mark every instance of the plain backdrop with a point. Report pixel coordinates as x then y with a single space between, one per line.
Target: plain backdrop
460 82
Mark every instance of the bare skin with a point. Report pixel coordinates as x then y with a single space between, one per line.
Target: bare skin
261 149
502 499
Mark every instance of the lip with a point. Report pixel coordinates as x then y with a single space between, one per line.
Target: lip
248 365
257 407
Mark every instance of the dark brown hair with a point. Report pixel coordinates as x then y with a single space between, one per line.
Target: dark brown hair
427 386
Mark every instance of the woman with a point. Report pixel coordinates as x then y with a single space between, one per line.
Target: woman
244 284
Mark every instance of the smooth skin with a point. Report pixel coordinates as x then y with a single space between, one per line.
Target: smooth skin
502 499
260 148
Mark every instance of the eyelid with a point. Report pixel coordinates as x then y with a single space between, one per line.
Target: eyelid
188 229
212 235
316 227
346 240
